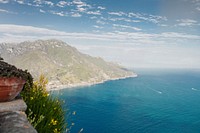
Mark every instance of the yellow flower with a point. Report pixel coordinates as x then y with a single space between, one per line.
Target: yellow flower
56 130
54 122
31 98
74 113
45 94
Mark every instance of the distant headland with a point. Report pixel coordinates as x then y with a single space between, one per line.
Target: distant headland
62 64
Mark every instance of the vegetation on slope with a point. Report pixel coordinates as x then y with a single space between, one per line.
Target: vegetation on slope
44 112
60 63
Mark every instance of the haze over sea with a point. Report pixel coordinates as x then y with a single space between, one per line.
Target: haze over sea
157 101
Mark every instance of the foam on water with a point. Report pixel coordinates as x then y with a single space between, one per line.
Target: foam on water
194 89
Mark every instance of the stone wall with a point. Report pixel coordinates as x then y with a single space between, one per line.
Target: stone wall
13 118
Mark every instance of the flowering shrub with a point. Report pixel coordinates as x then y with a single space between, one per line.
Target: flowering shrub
44 112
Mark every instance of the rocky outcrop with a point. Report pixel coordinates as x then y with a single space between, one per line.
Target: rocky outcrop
13 119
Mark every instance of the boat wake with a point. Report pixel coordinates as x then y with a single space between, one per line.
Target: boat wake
194 89
159 92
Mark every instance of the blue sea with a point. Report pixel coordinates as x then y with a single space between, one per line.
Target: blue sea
157 101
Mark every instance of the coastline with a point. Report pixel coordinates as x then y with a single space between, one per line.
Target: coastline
55 87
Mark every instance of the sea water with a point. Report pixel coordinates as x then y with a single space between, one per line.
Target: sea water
157 101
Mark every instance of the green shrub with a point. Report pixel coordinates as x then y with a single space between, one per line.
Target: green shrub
44 112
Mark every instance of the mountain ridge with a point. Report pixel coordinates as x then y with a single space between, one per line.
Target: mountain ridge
61 63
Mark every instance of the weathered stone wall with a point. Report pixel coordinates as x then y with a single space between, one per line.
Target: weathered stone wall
13 119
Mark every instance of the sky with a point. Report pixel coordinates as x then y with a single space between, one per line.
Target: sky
132 33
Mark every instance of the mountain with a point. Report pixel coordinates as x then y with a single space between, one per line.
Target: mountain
62 64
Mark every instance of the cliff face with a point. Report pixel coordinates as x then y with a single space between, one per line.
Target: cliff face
61 63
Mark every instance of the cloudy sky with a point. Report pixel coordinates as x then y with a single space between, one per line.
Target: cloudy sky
133 33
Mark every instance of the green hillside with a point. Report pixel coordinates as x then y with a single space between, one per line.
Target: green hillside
61 63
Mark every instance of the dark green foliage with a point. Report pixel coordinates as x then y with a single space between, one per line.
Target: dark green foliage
7 70
29 82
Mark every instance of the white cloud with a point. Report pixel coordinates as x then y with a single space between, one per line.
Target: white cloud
76 15
196 2
38 2
20 29
48 3
98 27
93 17
117 13
178 35
139 16
4 1
124 19
63 3
148 17
76 8
62 14
157 17
146 57
128 37
29 4
80 9
163 25
20 1
94 12
198 8
6 11
127 27
42 11
187 22
83 7
79 4
103 18
101 22
101 8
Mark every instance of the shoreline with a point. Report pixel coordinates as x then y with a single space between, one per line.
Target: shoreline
70 86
